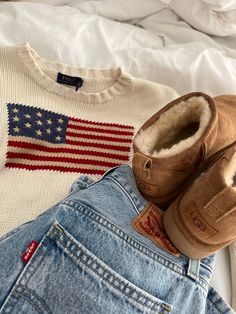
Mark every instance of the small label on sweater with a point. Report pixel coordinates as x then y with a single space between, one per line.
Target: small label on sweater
150 224
69 80
29 251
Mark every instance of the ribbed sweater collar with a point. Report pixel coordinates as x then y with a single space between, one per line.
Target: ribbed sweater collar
35 65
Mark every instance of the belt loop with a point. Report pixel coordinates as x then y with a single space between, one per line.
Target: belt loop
194 268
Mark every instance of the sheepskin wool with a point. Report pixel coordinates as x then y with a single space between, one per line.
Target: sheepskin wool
50 133
176 130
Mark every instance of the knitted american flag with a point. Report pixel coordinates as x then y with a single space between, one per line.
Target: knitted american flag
43 140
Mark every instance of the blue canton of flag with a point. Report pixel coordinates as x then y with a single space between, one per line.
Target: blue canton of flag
37 123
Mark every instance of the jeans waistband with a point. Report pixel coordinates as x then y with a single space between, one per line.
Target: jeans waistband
123 175
123 179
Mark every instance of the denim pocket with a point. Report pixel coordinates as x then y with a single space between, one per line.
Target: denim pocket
65 277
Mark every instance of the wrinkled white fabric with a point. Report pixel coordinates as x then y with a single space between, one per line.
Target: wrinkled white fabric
203 16
221 5
215 17
164 41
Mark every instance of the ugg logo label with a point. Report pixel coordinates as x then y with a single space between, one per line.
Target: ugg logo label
198 222
144 186
148 189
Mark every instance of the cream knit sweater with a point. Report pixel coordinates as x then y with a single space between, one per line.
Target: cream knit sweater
50 133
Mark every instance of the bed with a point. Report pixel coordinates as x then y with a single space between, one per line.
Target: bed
189 45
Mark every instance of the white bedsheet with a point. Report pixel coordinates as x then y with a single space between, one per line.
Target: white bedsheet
189 45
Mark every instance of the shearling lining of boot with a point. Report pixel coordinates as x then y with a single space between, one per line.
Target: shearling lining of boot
230 172
176 130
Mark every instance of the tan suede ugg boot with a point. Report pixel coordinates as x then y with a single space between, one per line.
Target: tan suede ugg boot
190 132
203 219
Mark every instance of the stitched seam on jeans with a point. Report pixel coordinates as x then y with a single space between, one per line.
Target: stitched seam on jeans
104 222
126 193
88 212
215 305
164 263
132 194
8 302
26 273
207 266
128 239
155 304
18 294
34 263
110 283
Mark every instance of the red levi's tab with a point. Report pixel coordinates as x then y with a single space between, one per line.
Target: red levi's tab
29 251
149 223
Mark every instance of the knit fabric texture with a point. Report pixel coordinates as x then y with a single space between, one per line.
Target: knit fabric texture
50 133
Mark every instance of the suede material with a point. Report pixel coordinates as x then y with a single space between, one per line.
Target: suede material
161 180
205 215
224 131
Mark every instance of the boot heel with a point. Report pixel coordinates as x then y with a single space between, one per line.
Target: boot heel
178 238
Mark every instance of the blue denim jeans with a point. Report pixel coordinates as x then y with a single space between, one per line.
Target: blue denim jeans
91 260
